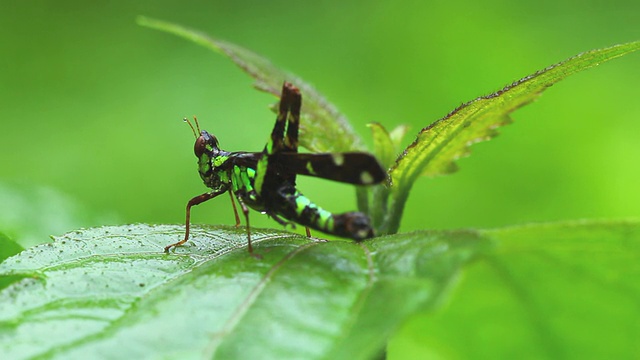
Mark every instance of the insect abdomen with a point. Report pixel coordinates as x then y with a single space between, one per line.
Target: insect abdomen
300 209
355 225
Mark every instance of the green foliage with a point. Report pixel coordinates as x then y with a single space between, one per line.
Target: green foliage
543 290
536 291
441 143
436 147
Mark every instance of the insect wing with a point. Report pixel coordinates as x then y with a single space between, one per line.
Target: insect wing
357 168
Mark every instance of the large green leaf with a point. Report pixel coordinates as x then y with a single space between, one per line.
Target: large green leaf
322 127
440 144
112 291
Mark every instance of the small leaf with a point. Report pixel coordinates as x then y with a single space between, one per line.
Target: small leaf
383 146
440 144
397 134
322 127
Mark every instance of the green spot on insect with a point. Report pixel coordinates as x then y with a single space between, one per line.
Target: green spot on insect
218 161
338 159
302 202
309 168
265 181
366 178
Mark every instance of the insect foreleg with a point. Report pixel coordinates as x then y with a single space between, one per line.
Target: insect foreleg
195 201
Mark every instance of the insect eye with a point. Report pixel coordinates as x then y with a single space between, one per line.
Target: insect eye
200 146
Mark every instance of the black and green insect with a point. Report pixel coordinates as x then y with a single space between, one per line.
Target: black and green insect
266 181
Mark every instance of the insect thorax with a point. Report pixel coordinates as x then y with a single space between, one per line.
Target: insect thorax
213 171
242 184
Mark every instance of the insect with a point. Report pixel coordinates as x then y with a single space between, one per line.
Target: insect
266 181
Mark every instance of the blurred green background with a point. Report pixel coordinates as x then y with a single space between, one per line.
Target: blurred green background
91 129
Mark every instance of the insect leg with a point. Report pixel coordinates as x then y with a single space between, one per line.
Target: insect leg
284 136
292 98
245 211
235 210
193 202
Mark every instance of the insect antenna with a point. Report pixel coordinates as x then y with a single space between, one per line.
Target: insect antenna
196 129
